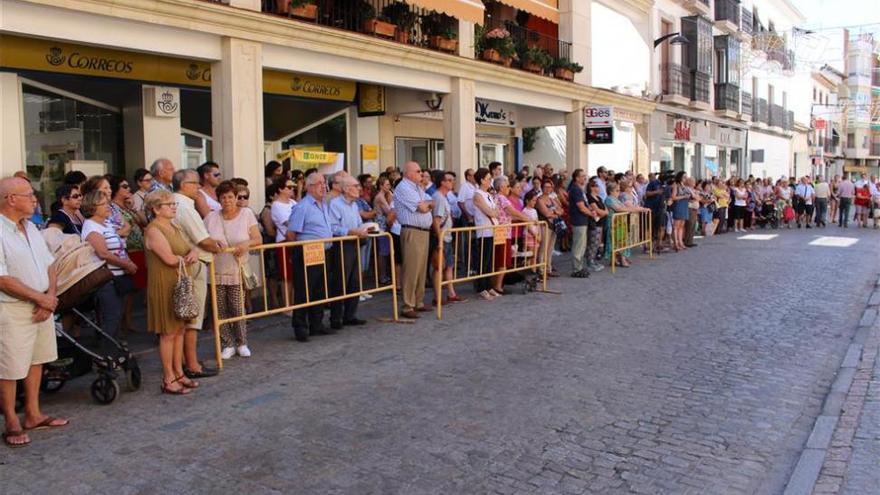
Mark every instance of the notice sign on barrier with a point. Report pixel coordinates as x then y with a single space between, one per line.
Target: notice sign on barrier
313 254
500 235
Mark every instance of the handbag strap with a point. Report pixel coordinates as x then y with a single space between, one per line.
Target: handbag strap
181 269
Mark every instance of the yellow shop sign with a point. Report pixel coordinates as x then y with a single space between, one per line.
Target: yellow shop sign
18 52
308 156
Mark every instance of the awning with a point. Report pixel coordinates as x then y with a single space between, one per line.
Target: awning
465 10
547 9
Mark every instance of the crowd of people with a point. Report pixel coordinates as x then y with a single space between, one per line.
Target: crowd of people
169 222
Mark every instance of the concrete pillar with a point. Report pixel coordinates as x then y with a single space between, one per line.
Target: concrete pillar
466 39
459 126
245 4
643 147
12 150
574 26
237 113
148 138
575 149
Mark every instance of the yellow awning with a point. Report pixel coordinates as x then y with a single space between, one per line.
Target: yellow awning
465 10
547 9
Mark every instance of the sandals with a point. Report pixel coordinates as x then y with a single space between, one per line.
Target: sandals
48 423
9 435
190 383
454 299
167 390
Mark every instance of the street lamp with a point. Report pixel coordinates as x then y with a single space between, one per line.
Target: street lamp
677 39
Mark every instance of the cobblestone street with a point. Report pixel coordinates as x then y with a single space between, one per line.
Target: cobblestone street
701 372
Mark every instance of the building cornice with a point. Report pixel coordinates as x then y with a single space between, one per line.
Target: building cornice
222 20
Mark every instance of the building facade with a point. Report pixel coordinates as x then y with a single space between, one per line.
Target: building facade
862 143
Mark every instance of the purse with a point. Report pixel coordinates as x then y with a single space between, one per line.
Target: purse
183 296
248 278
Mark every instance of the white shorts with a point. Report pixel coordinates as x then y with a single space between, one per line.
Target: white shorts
200 292
24 343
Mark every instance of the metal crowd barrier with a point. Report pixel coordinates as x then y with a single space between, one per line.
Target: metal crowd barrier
314 253
466 240
628 230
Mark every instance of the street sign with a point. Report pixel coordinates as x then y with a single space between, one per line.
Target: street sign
599 135
598 116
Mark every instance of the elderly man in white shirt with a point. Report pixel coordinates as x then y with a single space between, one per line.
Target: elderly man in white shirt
27 301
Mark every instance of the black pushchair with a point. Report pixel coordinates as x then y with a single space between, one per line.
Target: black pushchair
768 216
110 358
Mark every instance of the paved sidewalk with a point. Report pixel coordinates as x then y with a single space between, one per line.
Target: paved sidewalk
700 372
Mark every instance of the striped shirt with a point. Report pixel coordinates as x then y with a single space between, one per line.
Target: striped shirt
407 196
115 244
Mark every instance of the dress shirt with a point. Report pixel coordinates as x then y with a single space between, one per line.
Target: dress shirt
452 199
344 216
805 191
310 220
822 190
191 224
846 189
603 193
466 196
158 186
24 256
407 197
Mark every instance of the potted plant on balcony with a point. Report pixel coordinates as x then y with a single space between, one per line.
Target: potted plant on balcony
441 31
400 14
536 60
498 47
304 9
373 24
564 68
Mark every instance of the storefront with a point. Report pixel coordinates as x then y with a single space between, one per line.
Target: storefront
102 111
702 148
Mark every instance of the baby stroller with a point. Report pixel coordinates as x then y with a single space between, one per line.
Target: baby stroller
768 216
80 275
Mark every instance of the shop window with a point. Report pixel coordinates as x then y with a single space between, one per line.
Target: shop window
330 135
61 130
428 153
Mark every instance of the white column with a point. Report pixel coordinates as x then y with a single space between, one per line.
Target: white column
575 149
237 113
459 126
12 150
465 39
148 138
574 26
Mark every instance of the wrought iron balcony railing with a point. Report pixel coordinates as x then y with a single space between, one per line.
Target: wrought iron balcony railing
727 10
762 111
672 80
727 96
747 20
746 103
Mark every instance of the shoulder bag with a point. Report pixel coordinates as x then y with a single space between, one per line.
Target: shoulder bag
183 296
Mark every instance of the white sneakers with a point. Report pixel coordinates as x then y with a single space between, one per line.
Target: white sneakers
365 297
241 350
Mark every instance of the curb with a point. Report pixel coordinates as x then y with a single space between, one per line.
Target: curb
830 434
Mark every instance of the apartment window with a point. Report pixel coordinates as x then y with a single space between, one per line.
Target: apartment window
699 52
851 140
727 60
814 94
770 94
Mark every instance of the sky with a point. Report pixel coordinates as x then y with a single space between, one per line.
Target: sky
833 13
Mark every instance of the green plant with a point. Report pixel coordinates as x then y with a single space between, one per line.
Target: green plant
564 63
479 33
537 56
400 14
438 24
529 137
499 39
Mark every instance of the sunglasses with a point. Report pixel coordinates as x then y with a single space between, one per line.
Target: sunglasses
75 196
244 198
289 186
124 186
216 174
173 205
146 179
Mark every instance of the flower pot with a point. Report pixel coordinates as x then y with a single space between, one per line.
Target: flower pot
401 36
532 67
282 6
443 44
492 55
565 74
308 11
380 28
507 61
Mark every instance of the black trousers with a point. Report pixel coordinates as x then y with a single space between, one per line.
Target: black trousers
344 267
307 320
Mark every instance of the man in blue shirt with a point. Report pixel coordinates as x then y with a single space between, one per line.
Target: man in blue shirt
309 220
345 220
413 208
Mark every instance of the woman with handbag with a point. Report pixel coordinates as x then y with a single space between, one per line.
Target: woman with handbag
168 258
110 248
549 210
237 227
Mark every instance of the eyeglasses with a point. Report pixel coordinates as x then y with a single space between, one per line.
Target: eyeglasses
124 186
172 205
289 186
244 198
28 195
146 179
75 196
190 182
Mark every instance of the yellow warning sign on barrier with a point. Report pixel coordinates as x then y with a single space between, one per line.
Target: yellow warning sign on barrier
313 254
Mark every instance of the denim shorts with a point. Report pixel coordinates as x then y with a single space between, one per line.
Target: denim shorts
448 254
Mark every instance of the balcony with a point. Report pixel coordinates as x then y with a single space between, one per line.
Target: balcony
762 112
388 19
727 16
702 86
789 120
699 7
727 100
777 117
875 77
675 83
746 110
746 23
535 52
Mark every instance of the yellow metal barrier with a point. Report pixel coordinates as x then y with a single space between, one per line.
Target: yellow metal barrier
628 230
313 253
498 238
